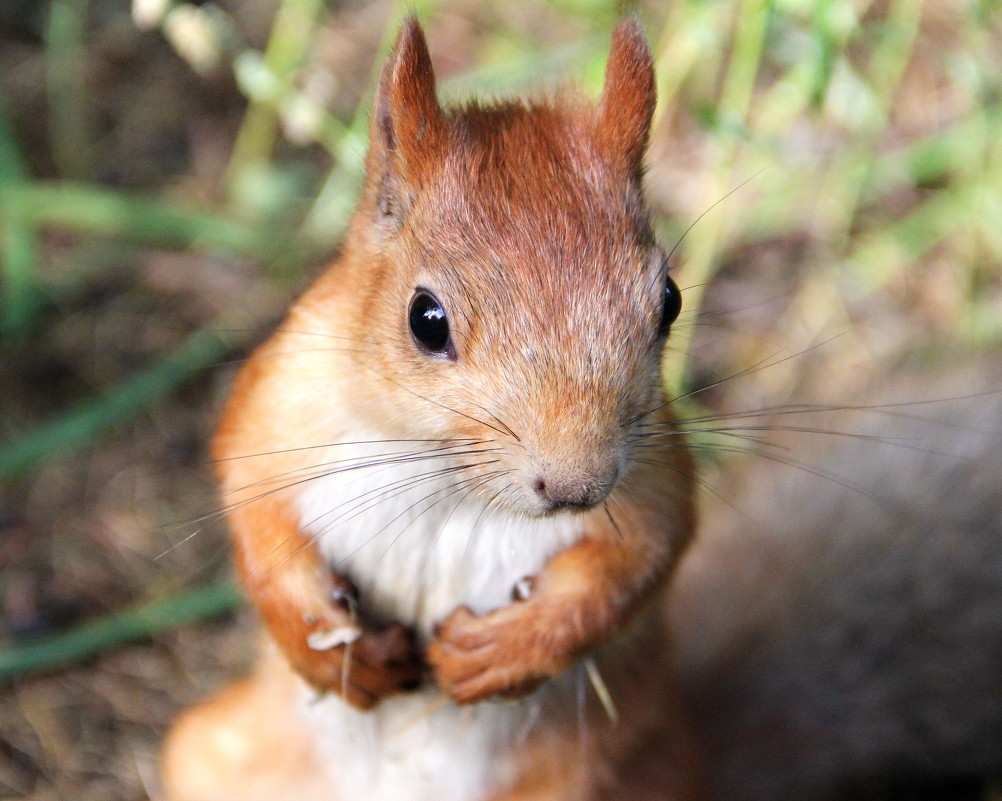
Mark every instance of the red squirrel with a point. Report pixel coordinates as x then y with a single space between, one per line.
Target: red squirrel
453 482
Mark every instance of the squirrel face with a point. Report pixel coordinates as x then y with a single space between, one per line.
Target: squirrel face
505 272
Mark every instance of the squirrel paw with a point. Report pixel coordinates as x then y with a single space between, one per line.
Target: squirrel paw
336 652
362 665
506 653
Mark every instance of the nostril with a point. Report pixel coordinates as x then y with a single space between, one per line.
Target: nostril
558 494
580 491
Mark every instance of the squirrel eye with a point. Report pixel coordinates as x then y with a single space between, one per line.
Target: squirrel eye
671 306
430 325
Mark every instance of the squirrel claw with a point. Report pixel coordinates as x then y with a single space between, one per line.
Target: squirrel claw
499 654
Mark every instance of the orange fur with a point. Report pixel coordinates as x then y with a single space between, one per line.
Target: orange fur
582 598
245 744
527 220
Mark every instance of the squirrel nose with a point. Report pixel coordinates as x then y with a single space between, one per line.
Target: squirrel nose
573 492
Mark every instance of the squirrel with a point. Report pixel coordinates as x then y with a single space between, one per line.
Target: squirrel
454 486
461 504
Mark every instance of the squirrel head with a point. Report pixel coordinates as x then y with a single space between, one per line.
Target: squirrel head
502 266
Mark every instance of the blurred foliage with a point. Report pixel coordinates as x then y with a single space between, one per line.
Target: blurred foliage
861 141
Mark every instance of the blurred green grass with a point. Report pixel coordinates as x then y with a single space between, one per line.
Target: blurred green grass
874 135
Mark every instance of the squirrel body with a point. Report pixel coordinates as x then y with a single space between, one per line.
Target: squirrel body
450 532
440 491
470 556
406 747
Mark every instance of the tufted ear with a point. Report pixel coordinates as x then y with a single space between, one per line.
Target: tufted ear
628 98
407 122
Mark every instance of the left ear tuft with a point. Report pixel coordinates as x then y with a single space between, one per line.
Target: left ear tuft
628 98
407 121
408 126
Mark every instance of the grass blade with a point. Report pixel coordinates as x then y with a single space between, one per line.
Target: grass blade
92 210
80 426
58 650
18 244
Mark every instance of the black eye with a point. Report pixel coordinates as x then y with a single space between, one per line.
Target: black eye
430 325
671 306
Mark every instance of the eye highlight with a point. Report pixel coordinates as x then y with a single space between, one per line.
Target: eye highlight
671 306
429 325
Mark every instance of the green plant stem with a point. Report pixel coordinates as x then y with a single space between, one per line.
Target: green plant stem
18 243
80 426
88 639
19 294
92 210
703 246
64 53
292 34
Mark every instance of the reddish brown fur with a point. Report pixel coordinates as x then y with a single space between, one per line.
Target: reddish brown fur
535 213
628 98
584 596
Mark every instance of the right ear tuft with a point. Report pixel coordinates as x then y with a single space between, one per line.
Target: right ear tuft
628 98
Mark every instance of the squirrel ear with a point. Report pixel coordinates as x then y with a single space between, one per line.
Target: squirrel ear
628 98
406 119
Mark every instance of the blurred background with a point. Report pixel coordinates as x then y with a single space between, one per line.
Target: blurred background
173 173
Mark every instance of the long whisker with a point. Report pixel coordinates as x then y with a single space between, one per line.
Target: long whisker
883 408
473 488
383 493
476 522
501 423
388 492
762 364
615 525
484 479
352 463
341 445
758 434
436 403
460 484
791 462
712 206
362 503
694 478
353 466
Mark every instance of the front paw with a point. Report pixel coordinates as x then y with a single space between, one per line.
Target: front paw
335 649
507 653
362 664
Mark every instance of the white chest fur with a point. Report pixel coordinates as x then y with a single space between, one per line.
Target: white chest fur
417 547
